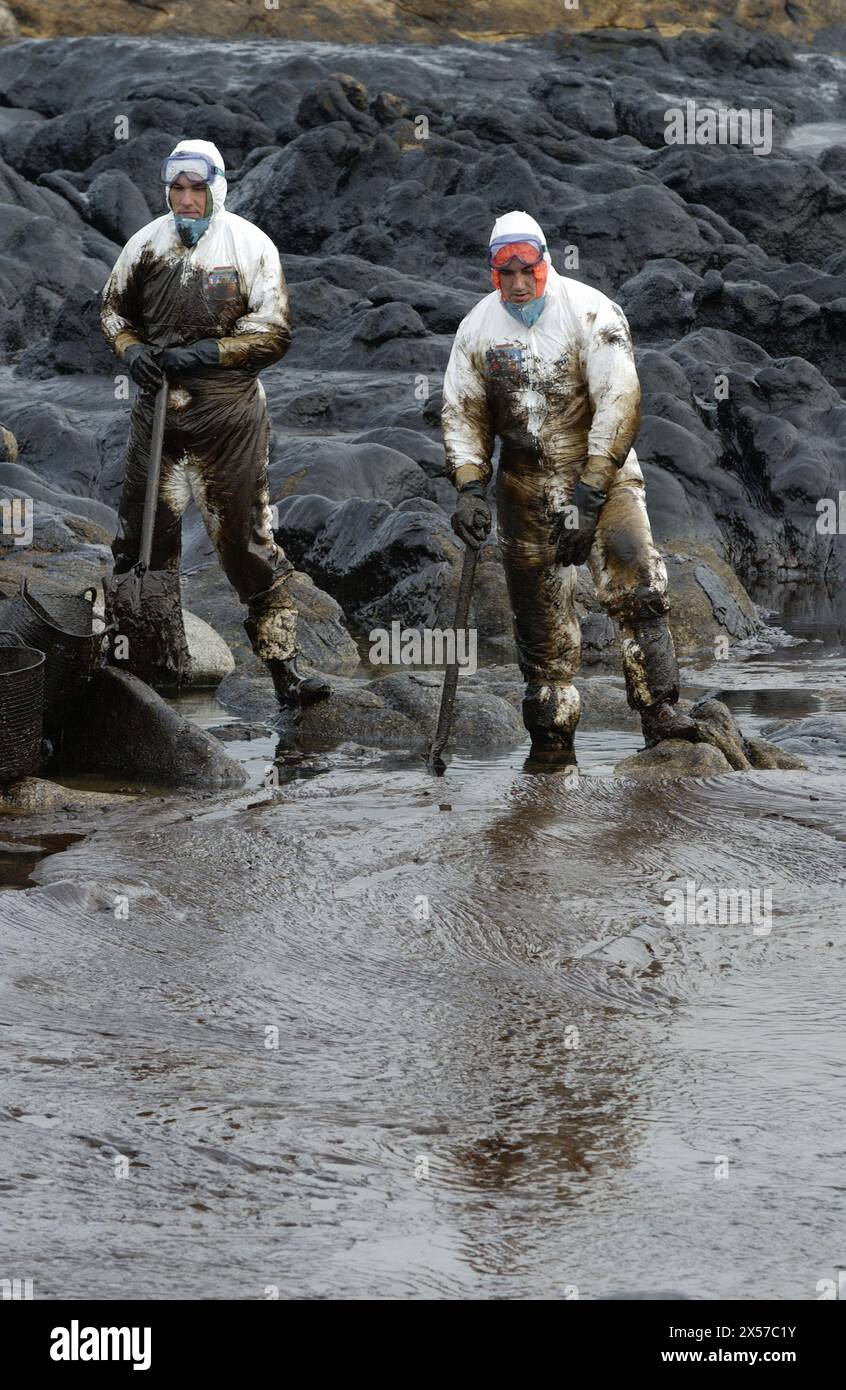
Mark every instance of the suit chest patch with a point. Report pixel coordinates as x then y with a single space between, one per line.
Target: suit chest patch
506 363
223 283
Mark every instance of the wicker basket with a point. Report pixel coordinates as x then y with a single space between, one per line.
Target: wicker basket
62 627
21 708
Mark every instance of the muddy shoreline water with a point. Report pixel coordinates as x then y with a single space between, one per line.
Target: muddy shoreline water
495 1072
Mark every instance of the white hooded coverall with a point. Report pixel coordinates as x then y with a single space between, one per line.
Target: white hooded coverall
230 287
555 393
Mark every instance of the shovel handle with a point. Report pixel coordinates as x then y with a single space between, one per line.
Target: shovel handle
462 612
151 497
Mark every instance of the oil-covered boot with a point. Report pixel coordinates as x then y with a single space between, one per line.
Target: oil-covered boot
294 690
664 720
652 676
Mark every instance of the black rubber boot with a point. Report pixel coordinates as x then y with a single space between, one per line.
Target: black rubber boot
294 690
663 720
652 674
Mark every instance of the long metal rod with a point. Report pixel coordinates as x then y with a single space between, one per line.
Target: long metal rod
151 496
434 760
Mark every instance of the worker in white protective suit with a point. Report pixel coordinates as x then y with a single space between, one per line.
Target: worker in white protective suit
199 295
546 364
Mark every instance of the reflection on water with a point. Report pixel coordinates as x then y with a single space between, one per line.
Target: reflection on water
809 611
787 682
19 855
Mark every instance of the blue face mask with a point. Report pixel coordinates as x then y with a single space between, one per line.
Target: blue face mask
527 314
190 229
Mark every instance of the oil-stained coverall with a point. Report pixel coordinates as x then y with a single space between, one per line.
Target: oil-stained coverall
229 287
557 392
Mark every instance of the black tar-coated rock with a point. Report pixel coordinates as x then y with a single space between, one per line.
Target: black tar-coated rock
123 727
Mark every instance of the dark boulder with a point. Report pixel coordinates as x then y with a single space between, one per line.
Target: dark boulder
121 726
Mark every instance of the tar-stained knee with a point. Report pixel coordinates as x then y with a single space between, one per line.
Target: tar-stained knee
639 605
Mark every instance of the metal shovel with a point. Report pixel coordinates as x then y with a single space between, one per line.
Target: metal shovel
434 761
145 605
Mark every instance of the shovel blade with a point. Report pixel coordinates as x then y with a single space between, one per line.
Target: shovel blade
145 607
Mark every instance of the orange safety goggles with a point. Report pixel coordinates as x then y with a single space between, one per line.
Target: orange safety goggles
529 254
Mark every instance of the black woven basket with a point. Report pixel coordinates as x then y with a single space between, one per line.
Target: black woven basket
62 627
21 708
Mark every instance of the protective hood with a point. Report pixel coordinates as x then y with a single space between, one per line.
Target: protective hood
190 229
517 226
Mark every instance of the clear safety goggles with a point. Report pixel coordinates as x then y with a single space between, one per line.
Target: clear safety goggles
528 251
196 167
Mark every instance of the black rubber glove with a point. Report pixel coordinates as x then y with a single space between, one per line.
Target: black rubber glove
176 361
143 367
574 542
471 519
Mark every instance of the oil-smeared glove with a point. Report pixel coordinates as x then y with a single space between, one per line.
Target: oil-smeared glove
575 540
176 361
471 520
143 366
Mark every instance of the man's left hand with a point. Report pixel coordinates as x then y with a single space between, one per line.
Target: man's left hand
575 541
176 361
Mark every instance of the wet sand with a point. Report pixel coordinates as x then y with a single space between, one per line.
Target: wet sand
500 1072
